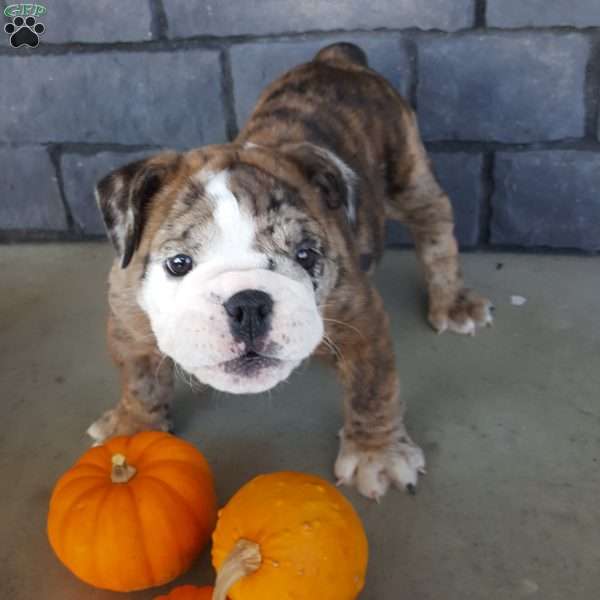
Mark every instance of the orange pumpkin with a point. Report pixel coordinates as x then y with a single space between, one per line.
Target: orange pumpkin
289 535
189 592
134 512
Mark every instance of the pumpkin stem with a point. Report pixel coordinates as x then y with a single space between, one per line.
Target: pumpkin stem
244 559
121 472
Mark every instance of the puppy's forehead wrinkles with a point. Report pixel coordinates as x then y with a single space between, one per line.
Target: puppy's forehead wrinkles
192 193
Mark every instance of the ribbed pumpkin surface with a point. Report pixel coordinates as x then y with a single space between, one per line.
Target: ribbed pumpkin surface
138 534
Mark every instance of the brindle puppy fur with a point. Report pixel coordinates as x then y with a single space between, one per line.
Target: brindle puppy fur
281 166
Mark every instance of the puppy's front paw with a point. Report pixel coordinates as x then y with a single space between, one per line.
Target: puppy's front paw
468 311
372 471
119 421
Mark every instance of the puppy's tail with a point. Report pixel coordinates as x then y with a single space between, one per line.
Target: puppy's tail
343 51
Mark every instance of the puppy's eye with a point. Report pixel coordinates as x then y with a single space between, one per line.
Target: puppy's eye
179 265
306 258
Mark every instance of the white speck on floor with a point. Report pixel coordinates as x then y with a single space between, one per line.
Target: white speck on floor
518 300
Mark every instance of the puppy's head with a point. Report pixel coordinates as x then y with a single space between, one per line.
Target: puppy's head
233 255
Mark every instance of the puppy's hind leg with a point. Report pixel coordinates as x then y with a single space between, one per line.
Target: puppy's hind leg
417 200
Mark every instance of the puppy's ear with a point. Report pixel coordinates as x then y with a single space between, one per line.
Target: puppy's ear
335 180
124 197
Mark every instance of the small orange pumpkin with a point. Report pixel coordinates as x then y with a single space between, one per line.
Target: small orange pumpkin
134 512
189 592
288 535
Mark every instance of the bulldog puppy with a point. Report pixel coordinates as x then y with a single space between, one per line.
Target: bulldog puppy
239 261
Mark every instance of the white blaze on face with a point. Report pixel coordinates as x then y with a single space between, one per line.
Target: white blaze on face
235 231
187 313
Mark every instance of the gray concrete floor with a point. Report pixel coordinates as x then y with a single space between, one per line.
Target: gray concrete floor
509 420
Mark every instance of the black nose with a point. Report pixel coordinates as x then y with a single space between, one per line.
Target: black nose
249 314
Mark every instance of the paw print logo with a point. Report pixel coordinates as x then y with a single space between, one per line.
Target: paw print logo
24 32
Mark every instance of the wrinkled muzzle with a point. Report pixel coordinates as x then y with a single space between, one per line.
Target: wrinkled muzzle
238 331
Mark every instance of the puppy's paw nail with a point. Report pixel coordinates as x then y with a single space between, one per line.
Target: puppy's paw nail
96 433
374 471
439 324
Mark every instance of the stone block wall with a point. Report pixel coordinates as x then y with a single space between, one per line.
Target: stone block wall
507 93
